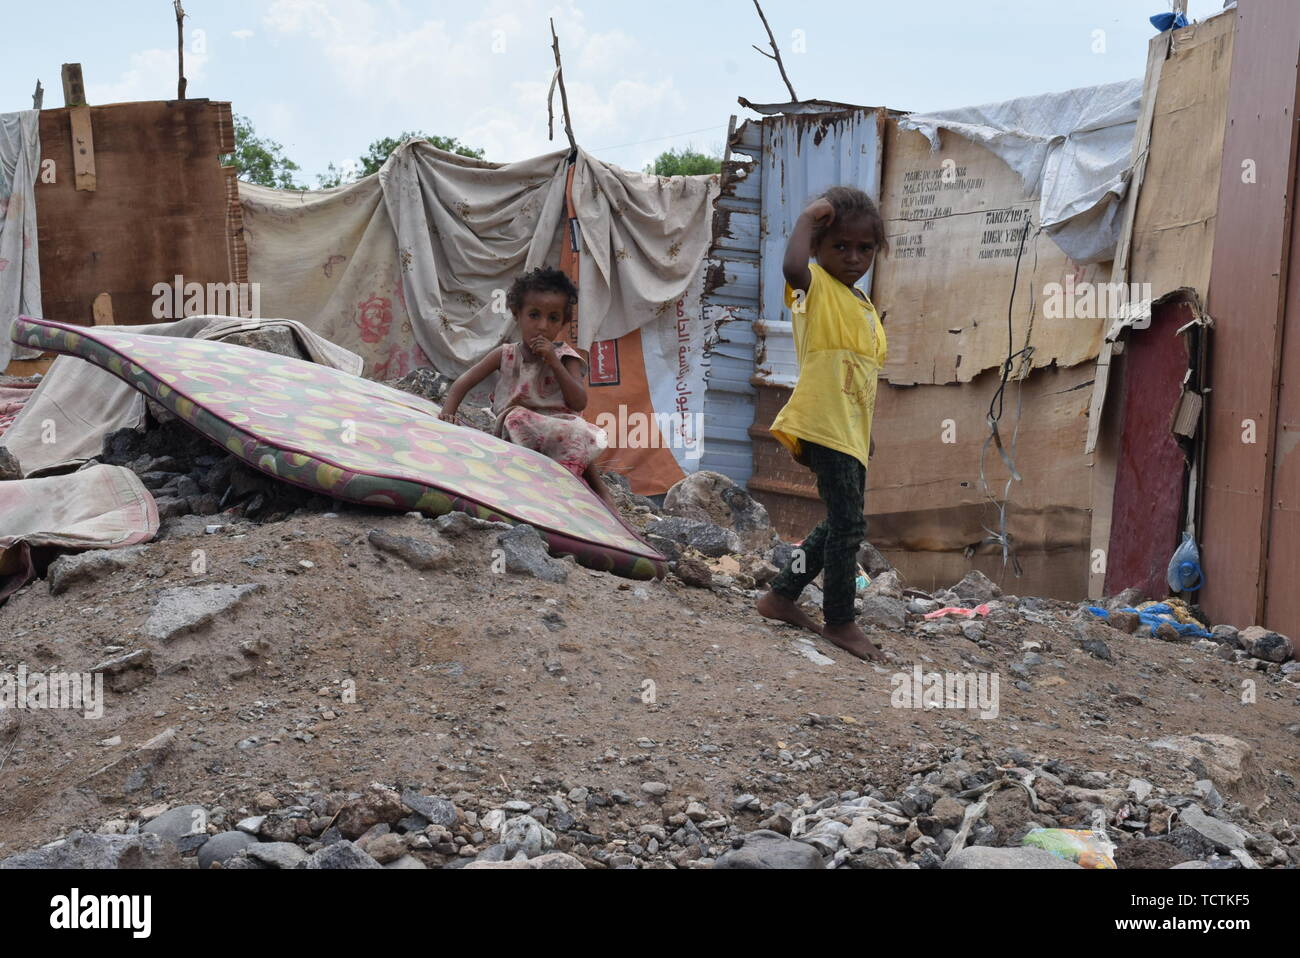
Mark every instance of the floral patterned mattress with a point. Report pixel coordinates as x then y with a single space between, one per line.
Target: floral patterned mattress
353 439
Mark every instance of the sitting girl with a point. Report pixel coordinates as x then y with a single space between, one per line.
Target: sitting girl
542 384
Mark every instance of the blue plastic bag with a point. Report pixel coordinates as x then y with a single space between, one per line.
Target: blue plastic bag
1185 567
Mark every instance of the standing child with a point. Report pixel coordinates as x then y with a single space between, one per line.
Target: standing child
542 384
826 425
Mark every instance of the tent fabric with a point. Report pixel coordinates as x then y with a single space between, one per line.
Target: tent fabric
410 267
356 440
65 421
20 268
1073 147
100 507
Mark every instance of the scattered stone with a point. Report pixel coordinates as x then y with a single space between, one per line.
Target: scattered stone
438 811
128 672
386 849
1228 762
340 855
526 834
694 572
883 611
284 855
526 554
1226 635
456 525
183 610
69 570
377 805
654 789
1224 835
135 770
421 555
1126 622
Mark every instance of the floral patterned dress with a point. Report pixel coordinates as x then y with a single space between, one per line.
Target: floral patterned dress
531 410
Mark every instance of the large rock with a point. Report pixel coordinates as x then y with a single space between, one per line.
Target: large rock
1228 762
554 861
526 834
185 827
180 611
765 849
1224 835
526 554
9 466
1266 644
883 612
67 571
703 536
284 855
219 849
980 857
421 554
100 852
714 498
278 340
976 588
436 811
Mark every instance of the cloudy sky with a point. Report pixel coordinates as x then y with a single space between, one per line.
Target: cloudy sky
327 77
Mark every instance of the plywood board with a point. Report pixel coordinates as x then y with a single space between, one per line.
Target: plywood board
955 220
161 209
1173 233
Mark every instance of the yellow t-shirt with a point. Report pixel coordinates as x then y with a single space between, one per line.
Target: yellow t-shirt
841 348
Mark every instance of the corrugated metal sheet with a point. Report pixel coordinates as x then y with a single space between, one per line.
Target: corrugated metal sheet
731 300
804 155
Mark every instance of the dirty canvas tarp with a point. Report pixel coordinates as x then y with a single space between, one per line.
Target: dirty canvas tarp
408 268
20 271
100 507
1073 148
77 405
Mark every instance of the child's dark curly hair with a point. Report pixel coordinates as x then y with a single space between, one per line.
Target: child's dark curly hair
545 279
850 204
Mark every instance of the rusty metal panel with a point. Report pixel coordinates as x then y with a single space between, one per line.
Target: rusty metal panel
1151 472
1246 300
730 307
804 155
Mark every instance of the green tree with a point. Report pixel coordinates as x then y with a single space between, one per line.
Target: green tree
687 162
260 161
377 155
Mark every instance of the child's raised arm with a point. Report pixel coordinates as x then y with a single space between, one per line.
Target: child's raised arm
798 251
468 380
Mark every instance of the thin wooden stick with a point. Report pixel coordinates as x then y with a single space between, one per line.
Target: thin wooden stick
180 49
564 94
776 52
38 98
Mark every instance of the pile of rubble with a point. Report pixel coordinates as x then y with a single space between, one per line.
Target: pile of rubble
962 809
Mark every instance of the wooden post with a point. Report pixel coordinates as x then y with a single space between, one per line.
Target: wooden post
182 83
776 53
83 136
102 310
564 94
38 98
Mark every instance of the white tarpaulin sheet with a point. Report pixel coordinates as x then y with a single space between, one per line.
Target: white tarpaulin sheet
1075 147
20 271
409 267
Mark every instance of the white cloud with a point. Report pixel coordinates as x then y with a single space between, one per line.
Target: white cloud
243 34
151 76
483 77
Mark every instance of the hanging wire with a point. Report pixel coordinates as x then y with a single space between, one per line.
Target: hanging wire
1000 537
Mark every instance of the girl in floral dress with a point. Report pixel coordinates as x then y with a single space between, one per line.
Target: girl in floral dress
541 388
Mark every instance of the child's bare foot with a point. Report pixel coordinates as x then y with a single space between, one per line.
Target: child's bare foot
853 640
778 607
